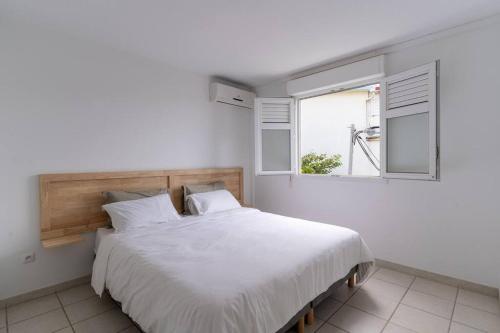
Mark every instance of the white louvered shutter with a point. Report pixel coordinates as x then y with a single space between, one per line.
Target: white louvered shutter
409 124
275 146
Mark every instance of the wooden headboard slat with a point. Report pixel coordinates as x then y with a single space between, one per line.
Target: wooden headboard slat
71 203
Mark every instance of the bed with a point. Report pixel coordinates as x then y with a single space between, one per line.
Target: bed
240 270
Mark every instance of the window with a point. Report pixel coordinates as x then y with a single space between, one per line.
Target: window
275 136
387 129
409 124
340 132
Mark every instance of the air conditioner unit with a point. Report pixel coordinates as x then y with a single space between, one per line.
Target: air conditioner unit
230 95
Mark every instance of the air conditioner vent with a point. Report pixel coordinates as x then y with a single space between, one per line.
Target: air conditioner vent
230 95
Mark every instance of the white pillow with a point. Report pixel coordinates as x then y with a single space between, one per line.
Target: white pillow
126 215
211 202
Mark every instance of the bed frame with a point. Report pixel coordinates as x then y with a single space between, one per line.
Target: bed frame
71 204
306 315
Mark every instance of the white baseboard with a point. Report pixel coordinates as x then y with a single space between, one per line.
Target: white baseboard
379 263
44 291
486 290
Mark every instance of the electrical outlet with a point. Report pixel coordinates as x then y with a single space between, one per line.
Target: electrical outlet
29 258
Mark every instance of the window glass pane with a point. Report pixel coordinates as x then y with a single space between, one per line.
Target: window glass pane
408 144
340 133
275 150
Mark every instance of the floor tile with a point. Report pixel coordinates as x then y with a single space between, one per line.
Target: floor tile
32 308
133 329
373 303
327 328
65 330
314 327
482 320
419 320
343 293
393 328
308 328
2 318
373 271
88 308
459 328
356 321
108 322
368 277
391 276
435 289
327 308
479 301
76 294
435 305
385 289
44 323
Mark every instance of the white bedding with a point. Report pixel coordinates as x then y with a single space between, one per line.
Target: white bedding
99 235
236 271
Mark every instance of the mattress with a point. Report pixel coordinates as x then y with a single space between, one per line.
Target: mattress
236 271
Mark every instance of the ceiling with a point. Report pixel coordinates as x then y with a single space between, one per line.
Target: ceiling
253 41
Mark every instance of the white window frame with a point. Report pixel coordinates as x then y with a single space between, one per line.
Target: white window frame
259 127
342 88
431 107
432 104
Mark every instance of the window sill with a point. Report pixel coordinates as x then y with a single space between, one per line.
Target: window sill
362 179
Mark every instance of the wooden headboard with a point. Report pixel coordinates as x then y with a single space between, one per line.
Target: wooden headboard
70 204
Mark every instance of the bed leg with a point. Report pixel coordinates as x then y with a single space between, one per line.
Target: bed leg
352 281
301 325
310 317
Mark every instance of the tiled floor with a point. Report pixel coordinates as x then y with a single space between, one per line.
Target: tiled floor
74 310
389 302
393 302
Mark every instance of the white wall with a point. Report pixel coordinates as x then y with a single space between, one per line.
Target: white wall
450 227
68 105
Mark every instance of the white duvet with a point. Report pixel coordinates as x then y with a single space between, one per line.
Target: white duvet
236 271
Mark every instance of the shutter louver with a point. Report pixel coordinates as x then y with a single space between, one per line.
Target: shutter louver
408 91
276 113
